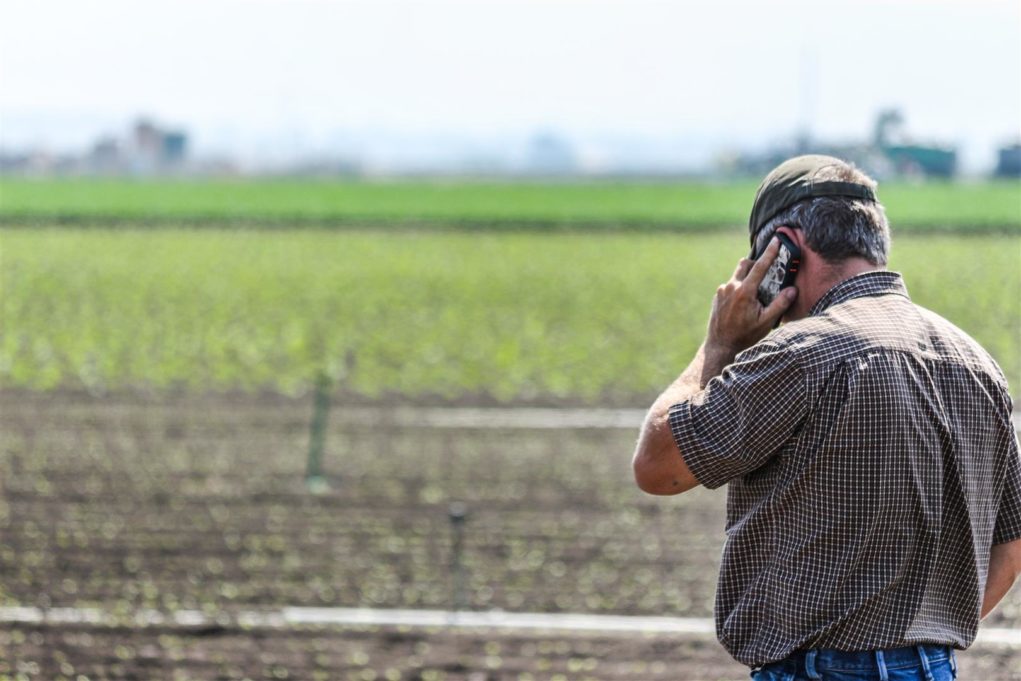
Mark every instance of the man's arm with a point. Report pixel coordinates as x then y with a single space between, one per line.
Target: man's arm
737 321
1004 569
657 464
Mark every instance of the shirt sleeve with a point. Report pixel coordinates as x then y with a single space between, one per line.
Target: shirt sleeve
743 416
1008 517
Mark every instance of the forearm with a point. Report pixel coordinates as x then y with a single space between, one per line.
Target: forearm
659 466
1004 565
737 321
686 385
707 363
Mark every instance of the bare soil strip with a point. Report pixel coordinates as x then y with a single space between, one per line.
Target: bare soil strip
286 617
396 415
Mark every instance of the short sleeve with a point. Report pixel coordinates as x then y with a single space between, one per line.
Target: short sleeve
1008 517
743 416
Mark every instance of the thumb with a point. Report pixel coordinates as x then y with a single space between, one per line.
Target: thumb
780 304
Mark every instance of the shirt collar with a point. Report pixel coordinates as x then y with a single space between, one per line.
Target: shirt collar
877 283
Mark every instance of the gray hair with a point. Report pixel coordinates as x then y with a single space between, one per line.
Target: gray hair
836 227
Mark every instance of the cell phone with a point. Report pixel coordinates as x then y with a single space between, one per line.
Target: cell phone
782 272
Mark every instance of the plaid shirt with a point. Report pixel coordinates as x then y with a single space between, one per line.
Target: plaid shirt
871 463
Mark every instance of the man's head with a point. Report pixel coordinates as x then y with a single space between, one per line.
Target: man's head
831 202
830 210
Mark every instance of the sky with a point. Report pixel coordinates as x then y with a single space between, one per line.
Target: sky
267 76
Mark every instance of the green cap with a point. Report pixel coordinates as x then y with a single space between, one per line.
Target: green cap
792 181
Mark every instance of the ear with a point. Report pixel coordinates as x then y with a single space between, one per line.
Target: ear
795 235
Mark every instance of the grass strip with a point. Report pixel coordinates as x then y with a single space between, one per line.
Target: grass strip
466 205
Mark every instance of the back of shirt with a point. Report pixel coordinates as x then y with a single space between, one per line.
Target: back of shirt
872 462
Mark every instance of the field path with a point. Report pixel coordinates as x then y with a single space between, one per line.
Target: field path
505 418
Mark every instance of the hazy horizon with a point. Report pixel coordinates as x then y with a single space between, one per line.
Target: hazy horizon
275 79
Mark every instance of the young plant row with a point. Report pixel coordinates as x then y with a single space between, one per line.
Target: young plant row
591 318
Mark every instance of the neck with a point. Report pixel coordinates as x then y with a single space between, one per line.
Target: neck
818 277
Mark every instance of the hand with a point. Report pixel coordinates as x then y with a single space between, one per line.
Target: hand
738 319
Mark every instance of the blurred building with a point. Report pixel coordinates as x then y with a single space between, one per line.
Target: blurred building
105 156
39 162
146 149
909 158
1008 162
890 153
155 149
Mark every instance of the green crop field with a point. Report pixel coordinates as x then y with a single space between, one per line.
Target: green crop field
985 206
607 317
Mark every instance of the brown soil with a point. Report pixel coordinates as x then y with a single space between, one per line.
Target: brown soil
199 502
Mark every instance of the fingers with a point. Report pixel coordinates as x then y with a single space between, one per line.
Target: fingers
761 266
743 266
779 305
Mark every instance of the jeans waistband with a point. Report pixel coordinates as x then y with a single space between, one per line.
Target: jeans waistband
877 661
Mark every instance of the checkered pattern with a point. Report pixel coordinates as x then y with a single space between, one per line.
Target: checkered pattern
871 463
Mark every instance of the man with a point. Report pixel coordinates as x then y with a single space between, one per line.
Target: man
874 498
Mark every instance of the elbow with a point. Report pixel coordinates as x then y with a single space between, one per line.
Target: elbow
643 463
645 476
651 484
659 472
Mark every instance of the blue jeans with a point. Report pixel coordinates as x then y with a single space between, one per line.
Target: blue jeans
915 663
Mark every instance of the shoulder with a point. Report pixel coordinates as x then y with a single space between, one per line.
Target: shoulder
886 324
770 356
814 342
952 343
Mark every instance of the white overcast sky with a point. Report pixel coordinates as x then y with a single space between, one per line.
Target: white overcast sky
724 70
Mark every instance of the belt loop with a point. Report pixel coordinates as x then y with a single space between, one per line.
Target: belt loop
953 660
810 664
881 664
925 663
